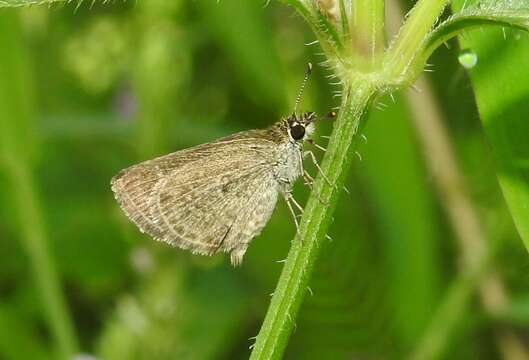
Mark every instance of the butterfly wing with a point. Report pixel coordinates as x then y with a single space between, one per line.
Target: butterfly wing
214 197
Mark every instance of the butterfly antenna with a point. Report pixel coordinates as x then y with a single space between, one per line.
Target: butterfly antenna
303 84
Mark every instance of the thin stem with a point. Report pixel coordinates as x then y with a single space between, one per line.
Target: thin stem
293 282
323 27
356 97
412 35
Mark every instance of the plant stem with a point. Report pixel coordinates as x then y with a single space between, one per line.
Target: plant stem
367 27
293 282
358 93
403 51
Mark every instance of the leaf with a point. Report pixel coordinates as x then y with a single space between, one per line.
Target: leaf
501 85
23 3
20 3
502 13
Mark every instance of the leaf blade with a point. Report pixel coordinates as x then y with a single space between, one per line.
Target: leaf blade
475 17
501 100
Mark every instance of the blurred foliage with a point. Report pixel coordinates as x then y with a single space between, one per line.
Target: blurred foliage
104 86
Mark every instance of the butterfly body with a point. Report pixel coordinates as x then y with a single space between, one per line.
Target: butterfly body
218 196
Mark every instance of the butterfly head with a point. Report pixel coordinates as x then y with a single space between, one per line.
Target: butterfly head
301 127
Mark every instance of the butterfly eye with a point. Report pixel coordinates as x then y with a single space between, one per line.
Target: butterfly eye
297 132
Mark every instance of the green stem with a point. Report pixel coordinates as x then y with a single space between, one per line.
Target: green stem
294 279
358 93
408 44
322 27
367 27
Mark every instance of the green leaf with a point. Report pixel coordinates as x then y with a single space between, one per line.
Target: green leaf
501 85
503 13
20 3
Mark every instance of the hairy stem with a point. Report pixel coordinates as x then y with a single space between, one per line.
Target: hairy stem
367 27
294 279
403 51
358 92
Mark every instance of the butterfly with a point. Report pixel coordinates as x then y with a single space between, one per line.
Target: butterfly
218 196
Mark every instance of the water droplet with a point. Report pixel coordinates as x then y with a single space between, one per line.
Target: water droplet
467 58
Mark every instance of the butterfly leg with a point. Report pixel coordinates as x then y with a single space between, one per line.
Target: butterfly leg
313 158
309 180
300 208
312 142
290 200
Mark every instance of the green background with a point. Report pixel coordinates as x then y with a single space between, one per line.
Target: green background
86 92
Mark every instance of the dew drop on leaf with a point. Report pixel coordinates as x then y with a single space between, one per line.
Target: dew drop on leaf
467 58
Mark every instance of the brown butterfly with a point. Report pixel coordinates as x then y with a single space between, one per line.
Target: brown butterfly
218 196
